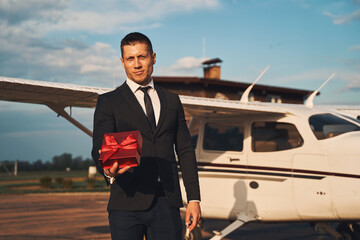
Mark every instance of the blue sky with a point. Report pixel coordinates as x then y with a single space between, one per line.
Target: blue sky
78 42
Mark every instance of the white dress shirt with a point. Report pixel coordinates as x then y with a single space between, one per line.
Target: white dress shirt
140 97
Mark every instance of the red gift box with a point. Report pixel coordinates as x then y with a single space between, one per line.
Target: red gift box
122 147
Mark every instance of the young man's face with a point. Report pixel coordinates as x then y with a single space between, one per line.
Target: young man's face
138 62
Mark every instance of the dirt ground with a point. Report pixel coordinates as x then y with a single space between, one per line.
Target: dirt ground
54 216
79 216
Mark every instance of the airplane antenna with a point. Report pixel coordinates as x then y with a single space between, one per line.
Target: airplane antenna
245 95
310 100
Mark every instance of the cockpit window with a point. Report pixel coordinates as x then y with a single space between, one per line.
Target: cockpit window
328 125
222 136
274 136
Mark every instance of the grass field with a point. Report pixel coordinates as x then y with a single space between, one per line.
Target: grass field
29 182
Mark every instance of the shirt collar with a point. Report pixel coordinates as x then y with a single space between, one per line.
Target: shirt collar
135 86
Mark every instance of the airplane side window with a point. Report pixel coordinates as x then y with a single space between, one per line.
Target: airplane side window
328 125
274 136
223 136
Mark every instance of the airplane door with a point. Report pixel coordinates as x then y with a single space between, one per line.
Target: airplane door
222 168
273 145
311 188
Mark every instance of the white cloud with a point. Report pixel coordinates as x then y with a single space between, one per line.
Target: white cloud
35 44
183 66
27 53
97 64
351 62
17 11
96 17
187 63
344 19
98 57
351 80
354 48
29 49
302 3
313 75
126 15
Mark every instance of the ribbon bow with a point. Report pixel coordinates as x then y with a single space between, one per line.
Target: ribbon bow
112 146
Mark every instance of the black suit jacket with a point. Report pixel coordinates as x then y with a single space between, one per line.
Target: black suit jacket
119 111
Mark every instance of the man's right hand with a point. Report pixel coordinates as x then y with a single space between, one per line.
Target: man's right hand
115 170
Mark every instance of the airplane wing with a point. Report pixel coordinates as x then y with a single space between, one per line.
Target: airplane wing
65 94
200 106
58 96
49 93
352 111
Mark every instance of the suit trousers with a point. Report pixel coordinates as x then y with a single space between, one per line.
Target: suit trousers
160 222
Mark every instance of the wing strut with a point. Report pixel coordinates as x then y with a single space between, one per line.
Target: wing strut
245 96
241 220
61 111
310 100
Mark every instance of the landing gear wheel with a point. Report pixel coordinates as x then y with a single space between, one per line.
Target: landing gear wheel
195 234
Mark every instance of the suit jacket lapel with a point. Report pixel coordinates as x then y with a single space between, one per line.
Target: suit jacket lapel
163 107
134 104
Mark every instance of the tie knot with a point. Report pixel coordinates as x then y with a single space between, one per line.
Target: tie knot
144 89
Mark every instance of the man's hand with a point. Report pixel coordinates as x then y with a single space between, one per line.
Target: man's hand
115 170
192 216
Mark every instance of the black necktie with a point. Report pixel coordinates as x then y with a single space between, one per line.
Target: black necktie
148 107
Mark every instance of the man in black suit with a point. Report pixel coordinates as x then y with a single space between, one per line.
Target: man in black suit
145 200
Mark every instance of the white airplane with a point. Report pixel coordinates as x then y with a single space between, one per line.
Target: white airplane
262 162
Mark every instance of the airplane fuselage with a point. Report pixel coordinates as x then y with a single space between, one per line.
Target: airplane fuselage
269 167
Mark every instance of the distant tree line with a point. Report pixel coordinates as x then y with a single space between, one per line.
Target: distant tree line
61 162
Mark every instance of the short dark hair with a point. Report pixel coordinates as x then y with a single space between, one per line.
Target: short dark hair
133 38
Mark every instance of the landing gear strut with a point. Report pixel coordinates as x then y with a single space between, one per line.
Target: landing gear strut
349 231
344 231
